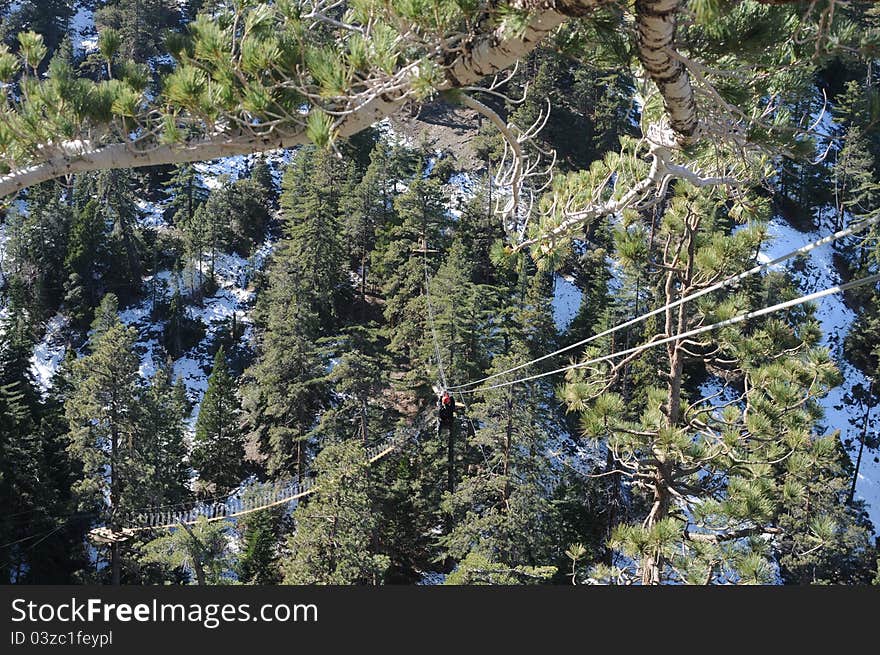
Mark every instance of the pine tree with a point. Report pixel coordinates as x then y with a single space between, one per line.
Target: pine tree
501 510
62 555
139 23
16 347
175 327
463 313
218 446
83 263
263 176
838 548
20 454
856 189
163 448
399 261
186 192
236 216
198 237
313 250
285 391
203 552
258 561
49 18
117 207
36 250
479 228
367 209
359 373
104 435
126 440
333 531
106 317
592 278
714 474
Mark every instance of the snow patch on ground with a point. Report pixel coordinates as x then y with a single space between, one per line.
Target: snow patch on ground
215 173
189 368
4 309
152 215
83 34
49 353
431 578
148 366
566 301
463 189
394 138
234 296
14 6
3 240
161 60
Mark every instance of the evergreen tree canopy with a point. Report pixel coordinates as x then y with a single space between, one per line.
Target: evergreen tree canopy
218 445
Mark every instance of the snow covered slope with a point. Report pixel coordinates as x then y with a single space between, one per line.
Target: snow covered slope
813 274
566 301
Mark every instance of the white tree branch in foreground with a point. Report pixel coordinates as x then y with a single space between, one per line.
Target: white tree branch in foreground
521 161
488 54
661 173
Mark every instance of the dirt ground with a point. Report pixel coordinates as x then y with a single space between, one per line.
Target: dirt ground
448 128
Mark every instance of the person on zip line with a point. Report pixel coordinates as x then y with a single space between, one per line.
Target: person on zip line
445 411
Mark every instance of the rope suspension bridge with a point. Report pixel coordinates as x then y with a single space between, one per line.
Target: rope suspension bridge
245 500
260 496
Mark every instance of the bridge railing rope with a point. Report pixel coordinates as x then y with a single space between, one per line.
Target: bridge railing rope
245 500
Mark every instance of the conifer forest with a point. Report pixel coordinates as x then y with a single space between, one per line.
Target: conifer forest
420 292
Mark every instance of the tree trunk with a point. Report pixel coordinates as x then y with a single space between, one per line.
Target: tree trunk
364 434
197 557
508 437
652 563
656 21
855 478
613 503
450 456
364 279
115 565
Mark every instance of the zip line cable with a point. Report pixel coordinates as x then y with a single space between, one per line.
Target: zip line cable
691 333
443 379
853 229
45 536
42 537
38 534
431 320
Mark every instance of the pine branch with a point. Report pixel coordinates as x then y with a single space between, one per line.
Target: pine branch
482 54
